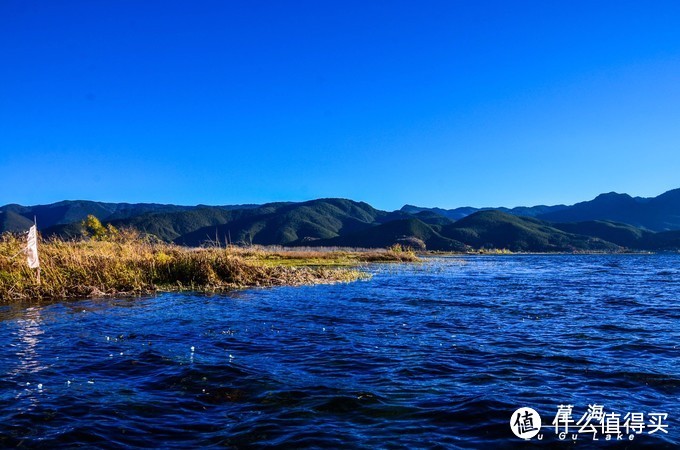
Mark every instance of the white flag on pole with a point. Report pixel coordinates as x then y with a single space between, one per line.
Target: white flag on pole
32 248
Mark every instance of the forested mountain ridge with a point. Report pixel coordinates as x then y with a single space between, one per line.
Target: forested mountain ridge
610 222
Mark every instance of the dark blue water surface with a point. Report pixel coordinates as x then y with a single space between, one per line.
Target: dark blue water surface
432 355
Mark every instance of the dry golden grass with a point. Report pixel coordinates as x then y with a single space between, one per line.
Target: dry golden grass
129 264
322 256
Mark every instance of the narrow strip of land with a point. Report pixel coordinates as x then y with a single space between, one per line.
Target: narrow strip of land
133 265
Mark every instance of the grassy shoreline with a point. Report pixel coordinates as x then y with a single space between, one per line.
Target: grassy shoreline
133 265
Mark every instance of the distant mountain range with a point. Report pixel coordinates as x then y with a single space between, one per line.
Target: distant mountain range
459 213
610 222
660 213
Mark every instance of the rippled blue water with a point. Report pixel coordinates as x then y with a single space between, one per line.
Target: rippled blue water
434 355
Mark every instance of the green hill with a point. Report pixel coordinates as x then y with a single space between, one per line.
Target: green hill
58 216
661 213
14 222
459 213
617 233
410 232
663 241
73 211
342 222
496 229
283 224
436 221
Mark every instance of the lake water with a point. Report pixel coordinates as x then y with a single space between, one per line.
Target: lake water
432 355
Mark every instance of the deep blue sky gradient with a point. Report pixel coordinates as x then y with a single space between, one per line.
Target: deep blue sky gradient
435 103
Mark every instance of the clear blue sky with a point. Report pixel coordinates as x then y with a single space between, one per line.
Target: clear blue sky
434 103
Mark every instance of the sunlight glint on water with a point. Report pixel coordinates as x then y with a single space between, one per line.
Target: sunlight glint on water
439 353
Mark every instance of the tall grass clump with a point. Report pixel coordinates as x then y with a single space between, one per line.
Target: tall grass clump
334 256
123 262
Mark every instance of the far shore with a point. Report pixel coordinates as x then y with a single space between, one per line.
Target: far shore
511 253
130 264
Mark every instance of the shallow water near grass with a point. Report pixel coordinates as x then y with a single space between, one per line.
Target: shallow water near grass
431 355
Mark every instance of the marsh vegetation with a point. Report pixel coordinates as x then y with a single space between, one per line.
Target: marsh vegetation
125 262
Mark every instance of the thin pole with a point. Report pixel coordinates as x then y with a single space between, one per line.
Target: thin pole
35 223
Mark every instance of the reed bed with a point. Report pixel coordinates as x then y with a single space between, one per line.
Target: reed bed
323 256
131 264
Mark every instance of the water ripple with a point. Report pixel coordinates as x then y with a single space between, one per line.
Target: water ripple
433 355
